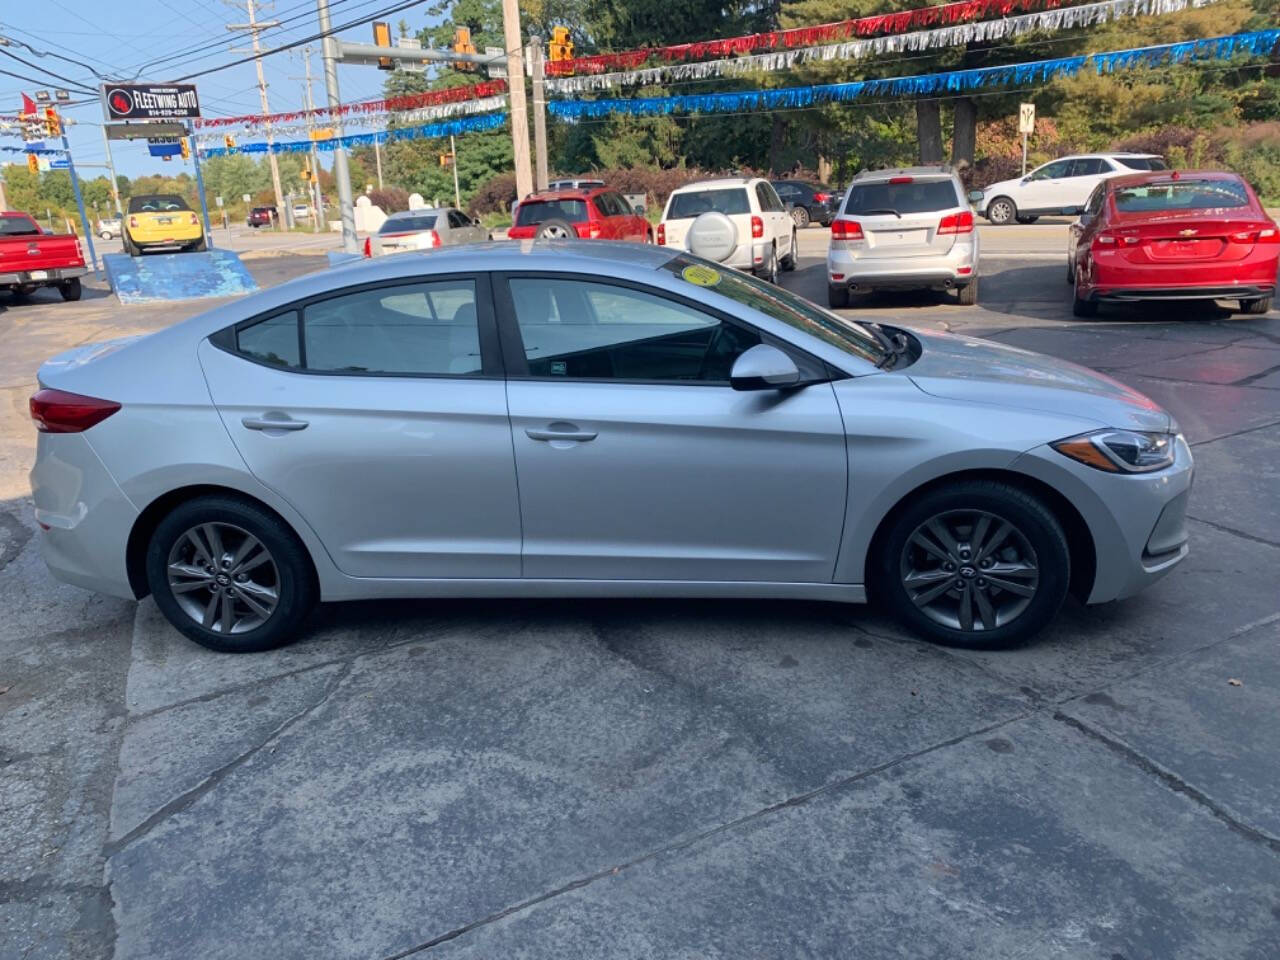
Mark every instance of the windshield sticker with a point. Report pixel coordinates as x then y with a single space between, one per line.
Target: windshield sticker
700 276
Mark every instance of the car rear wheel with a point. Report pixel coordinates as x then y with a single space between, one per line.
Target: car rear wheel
801 216
105 234
1262 305
200 246
1002 210
1082 306
131 248
837 297
967 295
978 564
789 261
555 230
70 289
229 575
769 271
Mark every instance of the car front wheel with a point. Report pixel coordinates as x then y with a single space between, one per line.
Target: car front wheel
979 564
1001 211
230 575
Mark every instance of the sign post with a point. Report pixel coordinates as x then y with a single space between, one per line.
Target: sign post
1026 125
204 203
84 218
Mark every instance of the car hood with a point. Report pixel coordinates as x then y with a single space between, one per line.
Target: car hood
980 371
1004 186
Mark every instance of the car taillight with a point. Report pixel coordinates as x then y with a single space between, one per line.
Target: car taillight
587 231
902 180
662 234
956 223
757 228
1116 240
56 411
846 230
133 221
368 246
1256 235
195 221
433 238
819 197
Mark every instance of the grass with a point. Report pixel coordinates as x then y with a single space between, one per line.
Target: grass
496 221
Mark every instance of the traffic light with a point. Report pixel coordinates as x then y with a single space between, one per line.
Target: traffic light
446 159
33 164
52 123
229 141
306 174
183 146
561 47
382 38
462 44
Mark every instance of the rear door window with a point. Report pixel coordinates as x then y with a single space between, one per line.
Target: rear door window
1142 163
1088 167
534 212
1053 171
915 196
407 224
729 201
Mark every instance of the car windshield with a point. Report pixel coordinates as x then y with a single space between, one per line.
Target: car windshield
409 224
534 212
1181 195
17 227
1142 163
696 202
909 196
159 204
780 304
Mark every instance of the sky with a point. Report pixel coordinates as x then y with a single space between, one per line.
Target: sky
116 38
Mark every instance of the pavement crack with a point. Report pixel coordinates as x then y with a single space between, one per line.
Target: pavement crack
1237 433
797 800
189 797
1247 381
1170 780
1234 532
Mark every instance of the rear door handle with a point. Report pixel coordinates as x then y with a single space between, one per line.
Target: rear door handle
273 423
564 433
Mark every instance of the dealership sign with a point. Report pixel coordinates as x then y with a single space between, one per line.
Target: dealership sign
150 101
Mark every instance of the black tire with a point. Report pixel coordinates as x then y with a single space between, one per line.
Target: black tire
1034 523
769 272
1255 307
105 234
555 229
1071 272
1027 219
967 296
1002 211
837 297
294 577
1081 307
130 248
789 261
800 216
70 289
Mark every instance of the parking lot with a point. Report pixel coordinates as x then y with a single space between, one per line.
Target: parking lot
660 779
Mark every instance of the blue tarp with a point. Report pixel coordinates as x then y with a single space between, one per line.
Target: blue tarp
177 276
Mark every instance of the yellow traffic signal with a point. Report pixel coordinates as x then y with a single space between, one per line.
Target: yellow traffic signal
229 141
52 123
446 159
186 150
561 47
382 38
462 44
33 164
306 174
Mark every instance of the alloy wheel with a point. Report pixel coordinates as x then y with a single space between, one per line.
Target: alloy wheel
1001 211
223 578
553 232
969 570
800 215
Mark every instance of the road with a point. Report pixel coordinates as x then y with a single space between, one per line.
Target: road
669 779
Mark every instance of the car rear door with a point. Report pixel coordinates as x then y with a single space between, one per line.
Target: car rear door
638 461
1086 173
901 217
379 412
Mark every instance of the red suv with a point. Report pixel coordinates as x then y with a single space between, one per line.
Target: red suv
593 214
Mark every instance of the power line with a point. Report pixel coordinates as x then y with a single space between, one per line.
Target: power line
36 66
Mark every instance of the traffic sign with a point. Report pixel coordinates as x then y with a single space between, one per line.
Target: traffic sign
218 201
1027 118
246 198
59 163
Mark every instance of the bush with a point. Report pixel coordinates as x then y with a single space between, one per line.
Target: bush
391 199
494 195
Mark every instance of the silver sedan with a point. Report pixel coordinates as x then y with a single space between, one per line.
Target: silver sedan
425 229
591 420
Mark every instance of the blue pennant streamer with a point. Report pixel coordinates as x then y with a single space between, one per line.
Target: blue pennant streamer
952 81
429 131
39 151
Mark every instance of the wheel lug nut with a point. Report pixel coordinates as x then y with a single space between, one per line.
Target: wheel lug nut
981 582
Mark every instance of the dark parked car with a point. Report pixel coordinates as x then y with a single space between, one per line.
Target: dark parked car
262 217
808 202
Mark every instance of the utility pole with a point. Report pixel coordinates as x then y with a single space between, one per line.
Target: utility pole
317 195
332 52
515 87
453 154
539 111
254 27
111 165
377 159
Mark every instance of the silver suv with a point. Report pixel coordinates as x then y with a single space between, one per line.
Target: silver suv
903 229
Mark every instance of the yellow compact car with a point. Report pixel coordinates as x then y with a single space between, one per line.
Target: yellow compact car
161 220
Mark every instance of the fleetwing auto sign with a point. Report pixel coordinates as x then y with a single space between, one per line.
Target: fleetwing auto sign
150 101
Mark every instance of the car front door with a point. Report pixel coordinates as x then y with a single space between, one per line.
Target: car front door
380 414
1044 187
638 461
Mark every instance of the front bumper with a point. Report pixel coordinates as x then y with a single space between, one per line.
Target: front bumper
956 268
53 275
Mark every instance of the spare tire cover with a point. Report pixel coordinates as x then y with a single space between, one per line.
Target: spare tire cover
712 235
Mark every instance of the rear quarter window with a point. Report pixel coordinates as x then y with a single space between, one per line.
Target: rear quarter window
918 196
696 202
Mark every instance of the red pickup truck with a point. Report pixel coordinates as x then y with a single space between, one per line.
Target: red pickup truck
31 258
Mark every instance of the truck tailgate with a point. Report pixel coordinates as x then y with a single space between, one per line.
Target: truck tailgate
44 251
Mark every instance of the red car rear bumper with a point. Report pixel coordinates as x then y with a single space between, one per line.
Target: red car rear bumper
1252 278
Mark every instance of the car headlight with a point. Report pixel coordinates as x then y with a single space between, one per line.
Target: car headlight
1120 451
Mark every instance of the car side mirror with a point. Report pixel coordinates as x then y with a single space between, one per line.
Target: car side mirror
475 222
975 196
1025 181
763 367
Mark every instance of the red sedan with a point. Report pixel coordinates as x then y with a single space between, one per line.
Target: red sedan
1170 235
587 214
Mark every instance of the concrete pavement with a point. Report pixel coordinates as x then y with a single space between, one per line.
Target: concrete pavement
669 779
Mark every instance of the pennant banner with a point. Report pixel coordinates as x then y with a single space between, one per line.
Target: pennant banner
966 11
408 102
1064 18
466 108
430 131
39 151
950 82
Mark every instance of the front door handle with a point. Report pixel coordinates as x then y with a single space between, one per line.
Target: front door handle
273 423
561 431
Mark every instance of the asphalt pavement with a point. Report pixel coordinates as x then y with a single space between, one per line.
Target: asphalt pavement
669 779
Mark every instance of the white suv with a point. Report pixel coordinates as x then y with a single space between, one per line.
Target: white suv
738 221
1060 186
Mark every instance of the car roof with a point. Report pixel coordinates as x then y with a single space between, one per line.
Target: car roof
568 193
414 213
1149 177
717 184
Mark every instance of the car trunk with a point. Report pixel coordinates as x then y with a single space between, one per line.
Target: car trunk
51 251
684 208
902 217
1179 240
